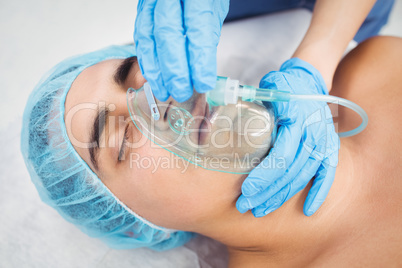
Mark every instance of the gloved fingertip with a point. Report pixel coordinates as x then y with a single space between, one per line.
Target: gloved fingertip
161 95
181 90
242 210
182 97
242 204
206 85
140 65
310 207
257 213
159 91
308 212
249 190
265 211
261 212
270 209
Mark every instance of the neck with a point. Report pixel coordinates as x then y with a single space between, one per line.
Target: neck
287 234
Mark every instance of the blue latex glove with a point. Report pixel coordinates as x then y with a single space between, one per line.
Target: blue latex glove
176 43
306 146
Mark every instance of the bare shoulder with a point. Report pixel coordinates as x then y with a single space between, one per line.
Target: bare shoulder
371 76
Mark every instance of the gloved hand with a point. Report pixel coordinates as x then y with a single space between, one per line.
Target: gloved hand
176 43
306 146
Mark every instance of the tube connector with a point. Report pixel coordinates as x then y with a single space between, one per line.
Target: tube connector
228 91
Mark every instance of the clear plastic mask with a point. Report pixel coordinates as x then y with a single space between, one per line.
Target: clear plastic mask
230 138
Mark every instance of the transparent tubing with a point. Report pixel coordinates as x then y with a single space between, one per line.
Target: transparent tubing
228 91
249 93
340 101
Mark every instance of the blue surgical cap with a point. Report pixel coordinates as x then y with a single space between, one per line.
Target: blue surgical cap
65 181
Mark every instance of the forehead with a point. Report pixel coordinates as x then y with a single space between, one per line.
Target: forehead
91 83
92 89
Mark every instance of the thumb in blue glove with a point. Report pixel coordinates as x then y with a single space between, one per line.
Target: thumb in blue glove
176 43
307 144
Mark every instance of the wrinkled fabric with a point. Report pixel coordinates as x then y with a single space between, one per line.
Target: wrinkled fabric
375 20
65 181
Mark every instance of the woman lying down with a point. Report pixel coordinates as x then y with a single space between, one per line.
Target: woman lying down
78 143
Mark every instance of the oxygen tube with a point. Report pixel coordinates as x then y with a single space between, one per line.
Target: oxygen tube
228 91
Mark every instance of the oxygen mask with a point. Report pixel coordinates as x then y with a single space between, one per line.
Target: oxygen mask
230 138
229 129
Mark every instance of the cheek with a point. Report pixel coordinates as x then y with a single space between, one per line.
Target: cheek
181 200
171 192
161 187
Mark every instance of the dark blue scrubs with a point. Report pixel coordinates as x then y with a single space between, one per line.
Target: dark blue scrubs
377 17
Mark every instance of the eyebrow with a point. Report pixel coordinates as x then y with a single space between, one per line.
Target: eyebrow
123 70
120 77
97 131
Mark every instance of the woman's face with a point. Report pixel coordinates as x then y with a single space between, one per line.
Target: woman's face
154 183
